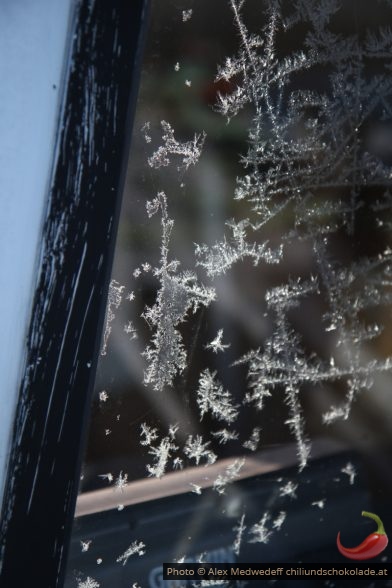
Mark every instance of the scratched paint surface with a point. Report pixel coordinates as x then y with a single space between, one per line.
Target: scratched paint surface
29 110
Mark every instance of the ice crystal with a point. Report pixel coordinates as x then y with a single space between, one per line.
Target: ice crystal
137 547
253 441
172 431
103 396
89 582
187 15
130 330
280 519
212 398
224 435
260 531
161 450
190 151
350 471
161 453
216 344
230 104
239 529
284 363
146 132
219 258
178 295
195 488
114 300
121 481
178 463
319 503
148 434
289 489
197 450
109 477
231 473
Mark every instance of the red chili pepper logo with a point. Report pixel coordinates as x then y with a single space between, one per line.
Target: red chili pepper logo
370 547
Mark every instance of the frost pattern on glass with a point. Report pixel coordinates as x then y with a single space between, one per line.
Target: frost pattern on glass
88 583
136 548
285 172
225 435
114 300
349 470
178 295
253 442
240 530
212 398
187 15
161 454
261 533
303 181
189 151
289 489
195 448
121 481
85 545
217 344
220 257
231 473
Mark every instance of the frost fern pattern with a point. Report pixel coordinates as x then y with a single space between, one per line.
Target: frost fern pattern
306 181
309 160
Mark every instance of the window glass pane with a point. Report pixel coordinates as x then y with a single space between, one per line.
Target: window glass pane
242 401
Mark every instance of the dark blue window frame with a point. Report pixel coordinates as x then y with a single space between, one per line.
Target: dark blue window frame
68 312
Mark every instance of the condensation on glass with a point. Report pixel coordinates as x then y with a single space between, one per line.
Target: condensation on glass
242 402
